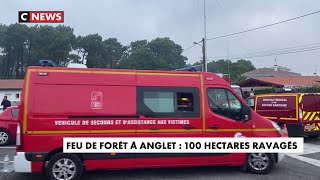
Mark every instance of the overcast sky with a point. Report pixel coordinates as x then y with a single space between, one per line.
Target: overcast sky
182 21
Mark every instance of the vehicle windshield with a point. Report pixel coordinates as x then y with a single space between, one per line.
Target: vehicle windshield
238 90
15 112
250 102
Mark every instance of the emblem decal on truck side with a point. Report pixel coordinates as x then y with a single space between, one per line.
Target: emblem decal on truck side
96 100
239 135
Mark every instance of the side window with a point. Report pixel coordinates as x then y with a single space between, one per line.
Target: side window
250 102
159 102
224 103
234 103
185 102
15 112
168 102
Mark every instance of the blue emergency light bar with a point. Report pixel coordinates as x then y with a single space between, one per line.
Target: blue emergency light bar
190 68
285 90
47 63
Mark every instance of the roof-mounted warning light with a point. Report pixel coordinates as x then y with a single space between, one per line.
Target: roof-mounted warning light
286 90
190 68
45 63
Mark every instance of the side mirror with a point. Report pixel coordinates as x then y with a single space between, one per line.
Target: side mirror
246 114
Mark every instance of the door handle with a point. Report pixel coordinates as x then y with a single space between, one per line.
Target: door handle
154 129
188 127
214 127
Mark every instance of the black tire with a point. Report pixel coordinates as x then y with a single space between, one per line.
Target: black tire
71 158
268 159
5 133
313 136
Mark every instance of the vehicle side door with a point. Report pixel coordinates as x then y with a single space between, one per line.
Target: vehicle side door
169 112
225 119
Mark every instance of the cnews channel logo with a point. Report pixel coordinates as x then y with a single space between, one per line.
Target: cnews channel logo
41 16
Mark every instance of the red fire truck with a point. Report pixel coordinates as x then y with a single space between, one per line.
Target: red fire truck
56 99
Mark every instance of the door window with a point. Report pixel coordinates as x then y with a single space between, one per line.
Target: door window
223 102
250 102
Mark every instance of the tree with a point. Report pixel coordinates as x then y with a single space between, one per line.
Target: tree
22 46
282 68
169 52
113 52
137 44
80 51
92 47
235 69
47 42
158 54
12 42
142 58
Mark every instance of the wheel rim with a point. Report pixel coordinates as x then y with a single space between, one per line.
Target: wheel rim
3 137
258 161
64 169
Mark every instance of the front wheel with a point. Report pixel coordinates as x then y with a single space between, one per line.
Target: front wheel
5 137
64 166
260 163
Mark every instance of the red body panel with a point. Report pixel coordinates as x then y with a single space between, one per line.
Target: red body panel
164 162
8 122
36 166
277 107
64 95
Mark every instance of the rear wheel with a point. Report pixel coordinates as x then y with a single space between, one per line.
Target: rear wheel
64 166
5 137
260 163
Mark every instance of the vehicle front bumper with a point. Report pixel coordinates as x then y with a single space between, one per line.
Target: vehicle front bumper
21 164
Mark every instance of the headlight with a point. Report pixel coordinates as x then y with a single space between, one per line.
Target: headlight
275 125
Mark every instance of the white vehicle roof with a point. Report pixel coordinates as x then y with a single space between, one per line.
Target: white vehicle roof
235 86
76 65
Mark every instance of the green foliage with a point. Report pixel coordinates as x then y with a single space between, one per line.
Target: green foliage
313 89
237 79
235 69
282 68
265 91
22 46
158 54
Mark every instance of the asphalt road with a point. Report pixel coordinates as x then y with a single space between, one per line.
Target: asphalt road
291 168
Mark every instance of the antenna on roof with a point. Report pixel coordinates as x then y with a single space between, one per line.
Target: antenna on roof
45 63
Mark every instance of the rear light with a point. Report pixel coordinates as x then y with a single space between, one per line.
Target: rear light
18 138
